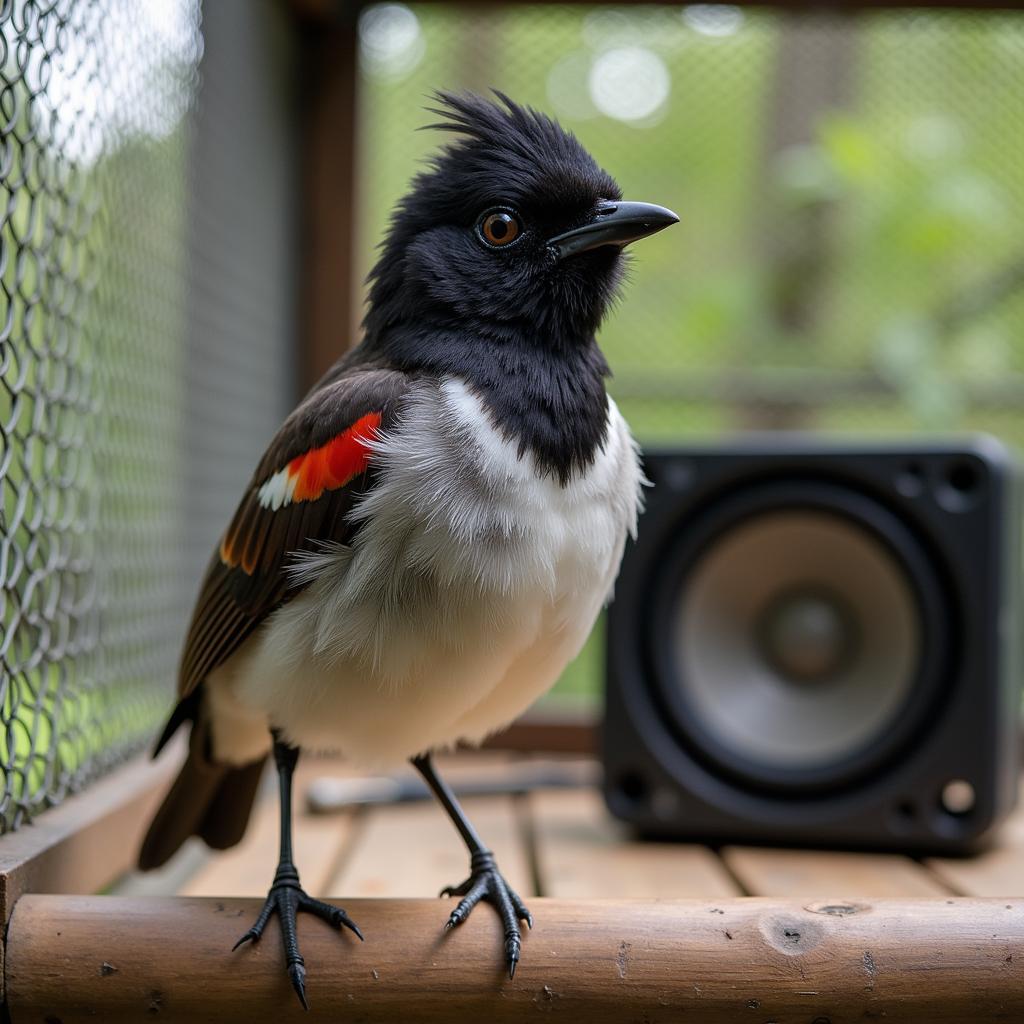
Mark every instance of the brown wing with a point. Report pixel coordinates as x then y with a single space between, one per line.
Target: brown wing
299 497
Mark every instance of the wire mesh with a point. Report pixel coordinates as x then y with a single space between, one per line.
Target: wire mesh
141 369
851 189
92 274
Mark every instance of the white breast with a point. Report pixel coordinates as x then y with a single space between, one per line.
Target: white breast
472 582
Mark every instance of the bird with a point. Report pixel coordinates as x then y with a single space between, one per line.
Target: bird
429 537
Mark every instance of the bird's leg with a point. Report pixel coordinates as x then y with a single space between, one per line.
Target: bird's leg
286 896
485 881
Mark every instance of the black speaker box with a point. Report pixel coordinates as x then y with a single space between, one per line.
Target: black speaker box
819 643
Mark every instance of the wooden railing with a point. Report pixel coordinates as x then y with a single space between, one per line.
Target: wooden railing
113 959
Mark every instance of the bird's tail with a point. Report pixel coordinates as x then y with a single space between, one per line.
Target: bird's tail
208 799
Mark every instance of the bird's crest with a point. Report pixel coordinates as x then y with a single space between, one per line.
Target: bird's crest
505 124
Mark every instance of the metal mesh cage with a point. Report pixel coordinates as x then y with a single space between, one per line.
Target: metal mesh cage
851 189
121 384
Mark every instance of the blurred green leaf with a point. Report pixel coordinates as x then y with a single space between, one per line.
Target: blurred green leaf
906 344
804 174
853 153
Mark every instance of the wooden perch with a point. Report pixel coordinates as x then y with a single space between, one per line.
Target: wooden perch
89 958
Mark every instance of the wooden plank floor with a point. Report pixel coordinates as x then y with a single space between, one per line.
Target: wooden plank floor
563 843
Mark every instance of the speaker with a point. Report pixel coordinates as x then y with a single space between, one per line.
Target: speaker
819 643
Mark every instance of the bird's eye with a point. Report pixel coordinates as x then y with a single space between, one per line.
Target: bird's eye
500 227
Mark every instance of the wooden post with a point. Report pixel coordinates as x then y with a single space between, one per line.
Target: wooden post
330 311
81 958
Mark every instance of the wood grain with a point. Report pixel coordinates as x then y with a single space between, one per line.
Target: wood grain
544 731
414 850
821 874
329 101
582 853
78 959
248 868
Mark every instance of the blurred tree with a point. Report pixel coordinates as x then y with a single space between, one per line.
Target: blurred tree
794 215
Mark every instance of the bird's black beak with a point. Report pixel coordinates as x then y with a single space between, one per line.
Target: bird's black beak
613 224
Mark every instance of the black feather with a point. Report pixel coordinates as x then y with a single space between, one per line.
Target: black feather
515 323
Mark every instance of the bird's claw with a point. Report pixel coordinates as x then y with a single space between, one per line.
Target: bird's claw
297 973
329 913
287 899
486 883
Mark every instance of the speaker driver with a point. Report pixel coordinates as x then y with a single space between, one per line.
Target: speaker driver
796 656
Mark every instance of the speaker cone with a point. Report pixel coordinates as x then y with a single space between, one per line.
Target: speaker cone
795 654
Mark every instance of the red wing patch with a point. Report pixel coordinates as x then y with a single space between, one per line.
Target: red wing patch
326 468
305 479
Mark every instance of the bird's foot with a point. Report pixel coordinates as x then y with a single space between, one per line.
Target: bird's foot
486 883
287 898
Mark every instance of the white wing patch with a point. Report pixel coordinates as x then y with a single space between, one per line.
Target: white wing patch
278 490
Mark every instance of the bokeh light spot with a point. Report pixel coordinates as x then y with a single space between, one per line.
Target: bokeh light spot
629 84
713 19
391 41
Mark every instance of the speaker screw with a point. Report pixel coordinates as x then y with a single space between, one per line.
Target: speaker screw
678 475
958 797
910 480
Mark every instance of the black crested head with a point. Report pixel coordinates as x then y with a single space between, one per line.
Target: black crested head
499 265
470 238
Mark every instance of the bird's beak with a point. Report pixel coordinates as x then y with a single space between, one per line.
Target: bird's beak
613 224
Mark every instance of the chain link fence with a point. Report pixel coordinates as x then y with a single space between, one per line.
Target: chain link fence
120 384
